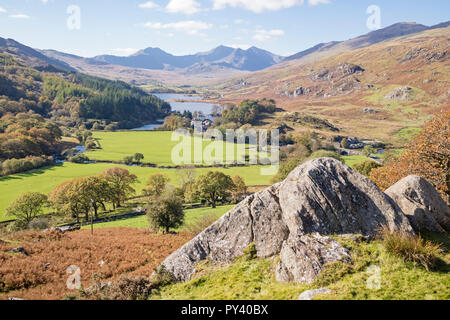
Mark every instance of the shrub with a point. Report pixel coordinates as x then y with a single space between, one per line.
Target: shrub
79 158
128 160
39 224
412 248
12 166
366 167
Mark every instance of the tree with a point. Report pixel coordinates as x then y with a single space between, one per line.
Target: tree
368 150
240 189
166 212
120 181
99 191
186 188
156 185
427 156
214 186
68 198
27 206
128 160
138 157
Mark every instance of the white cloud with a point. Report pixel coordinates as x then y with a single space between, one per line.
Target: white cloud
2 10
265 35
19 16
190 27
183 6
259 6
124 51
316 2
148 5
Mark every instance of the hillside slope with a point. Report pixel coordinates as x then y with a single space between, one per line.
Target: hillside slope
371 92
29 82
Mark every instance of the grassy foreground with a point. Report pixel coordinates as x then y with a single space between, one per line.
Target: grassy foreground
46 179
249 279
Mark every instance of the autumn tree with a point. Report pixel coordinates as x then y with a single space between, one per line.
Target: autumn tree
427 156
186 186
240 189
27 206
99 190
166 212
69 198
214 186
121 181
156 185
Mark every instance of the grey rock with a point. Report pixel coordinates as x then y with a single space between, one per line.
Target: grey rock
400 94
421 203
326 196
302 258
19 250
321 196
311 294
257 219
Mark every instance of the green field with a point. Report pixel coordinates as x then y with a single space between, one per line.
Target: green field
156 146
352 160
191 216
44 180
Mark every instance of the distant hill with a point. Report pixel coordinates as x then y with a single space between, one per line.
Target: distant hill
31 57
31 81
390 32
252 59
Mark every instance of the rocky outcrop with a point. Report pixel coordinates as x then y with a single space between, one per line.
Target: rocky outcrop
318 198
257 219
400 94
421 203
311 294
302 258
326 196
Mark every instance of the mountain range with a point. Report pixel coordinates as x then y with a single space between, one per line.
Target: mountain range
152 65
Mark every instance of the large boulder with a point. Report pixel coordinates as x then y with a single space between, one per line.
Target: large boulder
421 203
328 197
257 219
322 196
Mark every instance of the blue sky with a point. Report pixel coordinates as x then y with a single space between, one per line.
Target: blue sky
188 26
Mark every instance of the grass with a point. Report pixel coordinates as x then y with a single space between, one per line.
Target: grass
413 249
45 179
352 160
254 279
406 134
156 146
192 216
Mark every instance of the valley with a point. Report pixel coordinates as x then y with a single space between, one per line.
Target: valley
90 177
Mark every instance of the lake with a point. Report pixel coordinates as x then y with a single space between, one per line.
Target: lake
191 104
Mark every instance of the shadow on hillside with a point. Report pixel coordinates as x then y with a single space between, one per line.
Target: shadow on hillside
31 173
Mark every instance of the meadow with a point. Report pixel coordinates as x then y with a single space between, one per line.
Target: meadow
192 216
156 146
46 179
